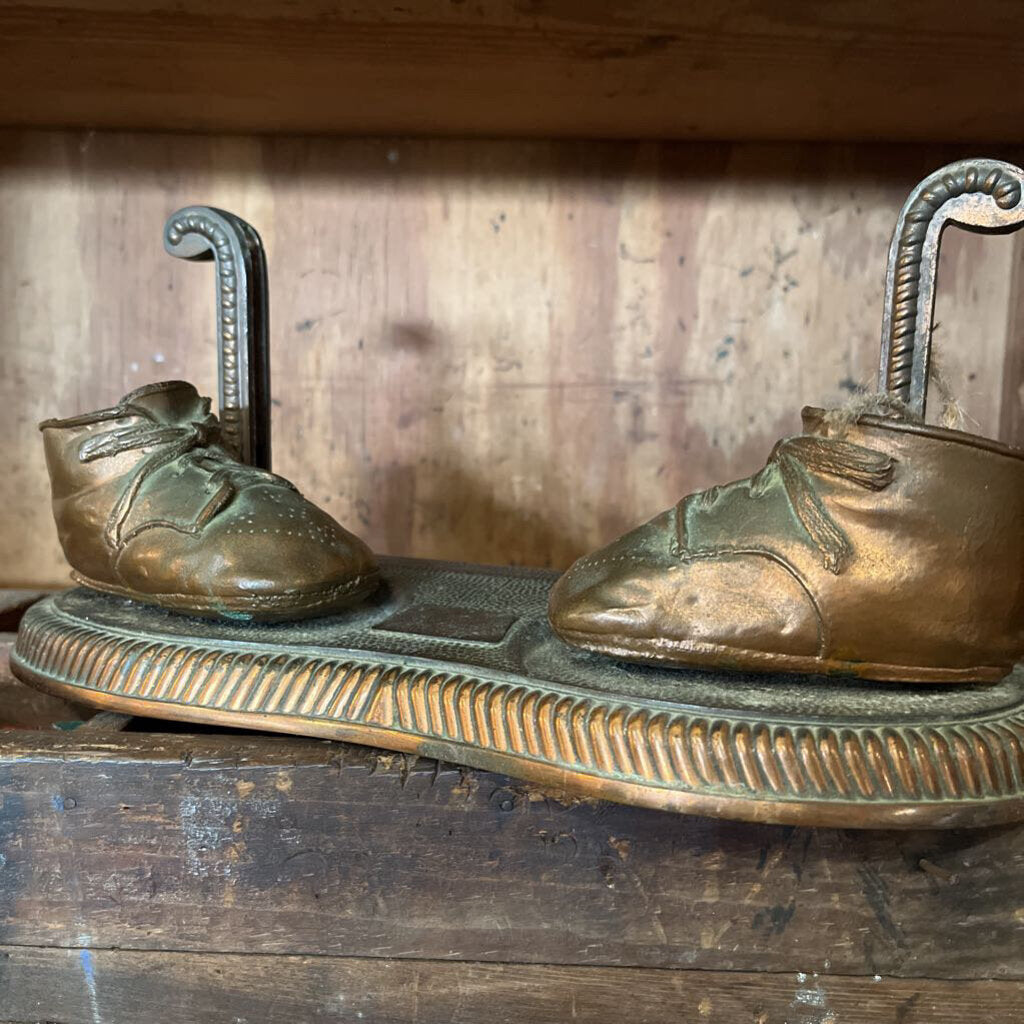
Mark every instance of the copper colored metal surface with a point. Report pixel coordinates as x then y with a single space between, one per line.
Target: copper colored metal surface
757 747
870 545
149 505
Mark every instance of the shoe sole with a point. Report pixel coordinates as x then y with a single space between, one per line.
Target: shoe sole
257 608
698 654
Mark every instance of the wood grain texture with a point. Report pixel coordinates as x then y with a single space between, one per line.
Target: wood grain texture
917 70
82 986
483 351
241 844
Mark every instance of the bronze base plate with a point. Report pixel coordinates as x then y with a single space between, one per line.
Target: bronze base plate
457 662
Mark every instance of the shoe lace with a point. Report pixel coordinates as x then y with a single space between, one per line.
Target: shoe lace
796 460
197 439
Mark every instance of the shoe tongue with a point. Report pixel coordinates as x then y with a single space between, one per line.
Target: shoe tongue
172 401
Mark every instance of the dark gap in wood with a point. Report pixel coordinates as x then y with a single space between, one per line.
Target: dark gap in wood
539 965
14 604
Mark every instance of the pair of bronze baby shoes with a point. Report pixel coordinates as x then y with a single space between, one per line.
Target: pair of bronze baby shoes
881 548
870 545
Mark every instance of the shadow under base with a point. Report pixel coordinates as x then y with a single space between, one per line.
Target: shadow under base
457 662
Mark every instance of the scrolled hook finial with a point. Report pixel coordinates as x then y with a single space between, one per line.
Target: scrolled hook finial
980 195
243 356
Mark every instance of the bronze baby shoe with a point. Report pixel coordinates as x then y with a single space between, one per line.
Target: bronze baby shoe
885 549
149 506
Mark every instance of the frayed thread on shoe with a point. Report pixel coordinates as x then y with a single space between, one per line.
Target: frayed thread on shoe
868 403
954 415
882 403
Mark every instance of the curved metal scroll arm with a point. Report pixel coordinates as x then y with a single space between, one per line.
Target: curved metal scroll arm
980 195
243 352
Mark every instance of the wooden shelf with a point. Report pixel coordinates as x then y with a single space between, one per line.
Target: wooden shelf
722 69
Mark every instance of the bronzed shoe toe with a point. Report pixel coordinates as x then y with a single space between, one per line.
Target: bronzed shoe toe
641 597
613 591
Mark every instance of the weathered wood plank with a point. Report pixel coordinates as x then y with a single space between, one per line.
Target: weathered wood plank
235 843
91 986
718 69
483 351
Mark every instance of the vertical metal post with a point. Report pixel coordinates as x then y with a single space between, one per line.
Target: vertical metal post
243 348
980 195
